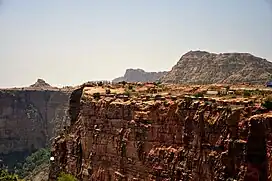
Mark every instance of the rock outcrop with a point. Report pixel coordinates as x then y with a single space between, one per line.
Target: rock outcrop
139 75
41 84
163 137
200 67
29 118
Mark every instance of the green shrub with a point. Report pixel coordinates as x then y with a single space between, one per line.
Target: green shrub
130 87
199 94
5 176
96 95
127 93
108 91
268 103
66 177
247 93
157 83
31 162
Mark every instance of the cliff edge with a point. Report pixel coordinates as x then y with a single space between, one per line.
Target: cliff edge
147 136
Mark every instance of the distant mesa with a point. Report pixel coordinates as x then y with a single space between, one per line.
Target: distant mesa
40 83
139 75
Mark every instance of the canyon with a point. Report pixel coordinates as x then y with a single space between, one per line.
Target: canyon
29 118
164 127
159 132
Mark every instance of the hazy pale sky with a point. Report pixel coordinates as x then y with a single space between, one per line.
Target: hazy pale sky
68 42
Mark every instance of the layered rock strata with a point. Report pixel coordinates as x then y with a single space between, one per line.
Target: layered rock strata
115 137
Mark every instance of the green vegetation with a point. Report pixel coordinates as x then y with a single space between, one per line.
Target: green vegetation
199 94
5 176
31 162
247 93
96 95
66 177
268 103
127 93
130 87
157 83
108 91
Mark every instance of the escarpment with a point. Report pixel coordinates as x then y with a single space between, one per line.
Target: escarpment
117 136
29 119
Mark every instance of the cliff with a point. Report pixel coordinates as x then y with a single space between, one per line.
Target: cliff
200 67
29 118
161 137
139 75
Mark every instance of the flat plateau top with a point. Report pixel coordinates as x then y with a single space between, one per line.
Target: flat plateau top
229 95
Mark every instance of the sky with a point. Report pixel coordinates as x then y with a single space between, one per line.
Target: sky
68 42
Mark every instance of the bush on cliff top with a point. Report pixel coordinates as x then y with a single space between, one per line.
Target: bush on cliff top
268 103
66 177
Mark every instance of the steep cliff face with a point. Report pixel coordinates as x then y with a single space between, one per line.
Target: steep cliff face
139 75
162 138
200 67
28 120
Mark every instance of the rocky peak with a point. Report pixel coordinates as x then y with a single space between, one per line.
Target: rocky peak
201 67
40 83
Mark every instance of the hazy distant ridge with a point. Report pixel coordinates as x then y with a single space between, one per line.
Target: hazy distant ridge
200 67
139 75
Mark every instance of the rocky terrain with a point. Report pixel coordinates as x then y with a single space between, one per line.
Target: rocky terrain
29 118
200 67
162 132
139 75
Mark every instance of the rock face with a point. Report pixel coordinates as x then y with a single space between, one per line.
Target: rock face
28 120
199 67
116 137
139 75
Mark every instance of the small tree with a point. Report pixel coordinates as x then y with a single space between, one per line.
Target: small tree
108 91
96 95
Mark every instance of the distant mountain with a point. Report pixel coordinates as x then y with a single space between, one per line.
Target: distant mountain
139 75
40 83
200 67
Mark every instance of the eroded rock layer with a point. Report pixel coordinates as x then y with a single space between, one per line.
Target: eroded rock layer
116 137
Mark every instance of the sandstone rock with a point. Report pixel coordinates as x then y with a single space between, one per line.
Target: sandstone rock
184 140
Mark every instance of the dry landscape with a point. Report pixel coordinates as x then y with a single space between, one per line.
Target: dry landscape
153 131
206 119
